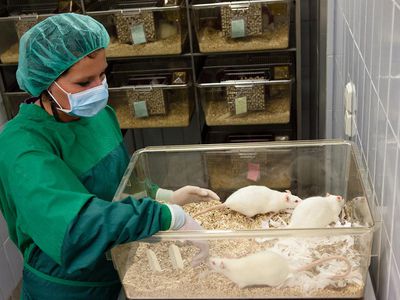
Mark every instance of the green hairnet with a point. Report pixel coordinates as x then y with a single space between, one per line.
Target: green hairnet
54 45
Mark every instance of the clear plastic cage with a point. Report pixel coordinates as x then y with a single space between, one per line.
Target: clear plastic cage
241 25
160 267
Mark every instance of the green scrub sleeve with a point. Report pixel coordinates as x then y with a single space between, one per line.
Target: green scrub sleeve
102 225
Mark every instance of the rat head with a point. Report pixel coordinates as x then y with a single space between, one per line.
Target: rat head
216 264
292 200
337 199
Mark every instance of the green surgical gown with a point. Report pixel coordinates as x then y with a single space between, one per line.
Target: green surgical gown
57 181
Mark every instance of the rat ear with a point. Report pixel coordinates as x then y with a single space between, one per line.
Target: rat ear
222 265
287 198
327 194
289 192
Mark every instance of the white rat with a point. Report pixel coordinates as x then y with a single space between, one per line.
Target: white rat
166 30
264 268
256 199
317 212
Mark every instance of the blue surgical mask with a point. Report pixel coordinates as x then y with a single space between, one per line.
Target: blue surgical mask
86 103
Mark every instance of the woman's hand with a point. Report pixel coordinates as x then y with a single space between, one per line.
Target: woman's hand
190 194
185 195
182 221
201 245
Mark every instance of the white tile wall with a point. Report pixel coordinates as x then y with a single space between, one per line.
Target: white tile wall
7 282
386 39
11 263
372 134
394 279
380 155
396 225
366 50
394 81
368 33
366 109
10 259
3 116
376 42
3 229
363 20
14 258
360 96
389 179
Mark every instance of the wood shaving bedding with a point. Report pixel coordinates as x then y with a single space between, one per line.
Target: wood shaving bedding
199 282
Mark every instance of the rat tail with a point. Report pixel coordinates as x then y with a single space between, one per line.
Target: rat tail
322 260
220 206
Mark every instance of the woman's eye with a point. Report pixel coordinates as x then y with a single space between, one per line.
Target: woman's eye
83 83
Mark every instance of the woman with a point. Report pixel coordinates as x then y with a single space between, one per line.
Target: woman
61 160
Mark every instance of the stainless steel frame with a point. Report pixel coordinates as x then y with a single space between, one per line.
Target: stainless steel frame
298 71
321 68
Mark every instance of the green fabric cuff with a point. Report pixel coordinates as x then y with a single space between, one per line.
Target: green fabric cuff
166 217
